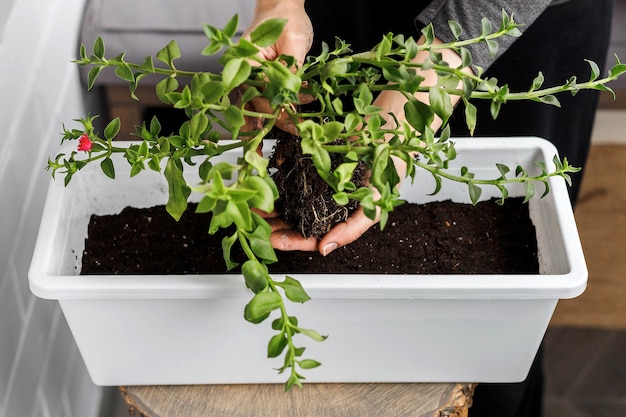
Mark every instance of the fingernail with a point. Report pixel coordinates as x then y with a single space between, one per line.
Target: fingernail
329 248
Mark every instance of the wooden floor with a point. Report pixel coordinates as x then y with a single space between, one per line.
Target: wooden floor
601 219
585 372
585 346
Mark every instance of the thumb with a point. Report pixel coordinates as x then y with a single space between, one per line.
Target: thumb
345 232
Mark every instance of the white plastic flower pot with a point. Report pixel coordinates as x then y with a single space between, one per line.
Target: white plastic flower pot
176 329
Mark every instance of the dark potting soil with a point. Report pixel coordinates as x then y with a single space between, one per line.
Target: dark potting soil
434 238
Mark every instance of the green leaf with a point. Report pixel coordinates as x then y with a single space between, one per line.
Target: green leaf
265 193
279 75
181 100
332 130
278 323
455 28
143 151
466 57
471 114
383 48
440 103
155 128
261 305
108 168
551 100
98 48
227 244
419 115
205 168
438 183
474 192
487 27
294 290
411 49
313 334
230 29
321 157
206 204
277 345
154 163
617 69
82 53
493 47
178 189
341 198
124 72
294 380
234 116
211 49
112 129
529 191
92 76
148 65
268 32
537 82
308 363
255 275
257 161
244 49
595 70
260 240
164 87
352 121
136 168
235 72
392 74
343 174
249 94
494 108
240 213
212 92
169 53
503 169
197 125
429 34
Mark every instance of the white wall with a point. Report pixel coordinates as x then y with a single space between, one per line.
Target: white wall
41 371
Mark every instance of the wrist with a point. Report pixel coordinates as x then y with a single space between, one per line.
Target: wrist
274 3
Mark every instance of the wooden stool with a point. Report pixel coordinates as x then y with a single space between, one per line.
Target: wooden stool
314 400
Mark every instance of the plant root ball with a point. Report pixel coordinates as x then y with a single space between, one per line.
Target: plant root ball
306 202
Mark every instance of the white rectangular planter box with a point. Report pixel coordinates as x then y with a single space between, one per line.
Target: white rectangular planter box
176 329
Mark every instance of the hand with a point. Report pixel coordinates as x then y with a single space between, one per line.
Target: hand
343 233
297 35
358 223
295 40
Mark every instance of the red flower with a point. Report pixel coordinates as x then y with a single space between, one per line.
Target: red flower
84 143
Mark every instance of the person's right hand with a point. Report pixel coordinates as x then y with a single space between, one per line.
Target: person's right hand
295 40
297 35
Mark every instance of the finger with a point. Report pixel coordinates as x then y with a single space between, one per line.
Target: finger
264 214
290 240
346 232
283 122
277 224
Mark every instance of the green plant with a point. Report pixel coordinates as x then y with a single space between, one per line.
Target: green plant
234 192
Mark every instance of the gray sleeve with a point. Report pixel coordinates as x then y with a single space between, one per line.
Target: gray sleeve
469 14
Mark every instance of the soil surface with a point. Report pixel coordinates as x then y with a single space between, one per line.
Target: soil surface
434 238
